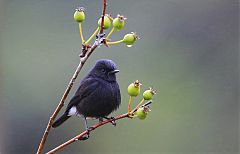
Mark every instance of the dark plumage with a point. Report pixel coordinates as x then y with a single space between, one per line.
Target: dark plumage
97 96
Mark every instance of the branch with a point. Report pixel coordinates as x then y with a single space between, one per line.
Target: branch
78 137
86 52
103 14
61 103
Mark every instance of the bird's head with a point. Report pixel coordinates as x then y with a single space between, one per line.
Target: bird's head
105 69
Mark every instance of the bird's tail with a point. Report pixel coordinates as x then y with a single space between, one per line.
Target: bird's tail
60 120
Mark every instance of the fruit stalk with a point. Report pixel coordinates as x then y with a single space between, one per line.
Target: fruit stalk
139 104
115 42
129 104
81 32
92 36
110 33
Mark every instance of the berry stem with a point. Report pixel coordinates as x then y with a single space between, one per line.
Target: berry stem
81 32
115 42
139 104
129 104
109 16
92 36
110 33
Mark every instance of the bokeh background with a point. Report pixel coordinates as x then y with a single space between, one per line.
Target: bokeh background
188 51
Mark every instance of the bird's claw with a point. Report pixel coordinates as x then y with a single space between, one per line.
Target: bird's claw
113 120
84 138
89 129
100 119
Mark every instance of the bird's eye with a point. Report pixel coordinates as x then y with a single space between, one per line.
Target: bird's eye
103 70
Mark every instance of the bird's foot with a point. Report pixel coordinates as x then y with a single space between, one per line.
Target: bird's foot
84 137
113 120
89 129
100 119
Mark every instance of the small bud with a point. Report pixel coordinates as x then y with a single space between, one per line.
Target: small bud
134 88
129 39
79 15
148 94
106 23
142 112
119 22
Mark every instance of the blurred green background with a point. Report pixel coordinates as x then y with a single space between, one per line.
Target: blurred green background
188 51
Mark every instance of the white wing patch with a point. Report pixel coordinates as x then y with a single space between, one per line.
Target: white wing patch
73 111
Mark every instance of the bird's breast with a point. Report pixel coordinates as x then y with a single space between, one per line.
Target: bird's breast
105 99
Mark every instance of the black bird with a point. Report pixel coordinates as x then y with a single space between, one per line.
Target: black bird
97 96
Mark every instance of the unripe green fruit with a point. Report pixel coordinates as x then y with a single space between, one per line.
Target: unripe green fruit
79 15
148 94
141 114
129 39
133 90
106 23
118 24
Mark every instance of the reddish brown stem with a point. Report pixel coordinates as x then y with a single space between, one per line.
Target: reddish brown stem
61 103
103 14
76 138
69 87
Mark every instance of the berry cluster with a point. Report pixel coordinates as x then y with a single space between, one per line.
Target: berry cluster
139 111
116 23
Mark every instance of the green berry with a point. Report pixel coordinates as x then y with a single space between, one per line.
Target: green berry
141 114
119 22
106 23
129 39
79 15
134 88
148 94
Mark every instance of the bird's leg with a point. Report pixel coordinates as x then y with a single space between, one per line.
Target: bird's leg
100 119
88 129
112 120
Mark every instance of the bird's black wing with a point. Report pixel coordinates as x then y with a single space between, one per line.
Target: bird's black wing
118 96
87 86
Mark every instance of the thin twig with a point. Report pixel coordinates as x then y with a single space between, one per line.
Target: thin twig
103 14
61 103
79 136
69 87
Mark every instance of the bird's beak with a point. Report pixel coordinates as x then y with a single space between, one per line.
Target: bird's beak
113 72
